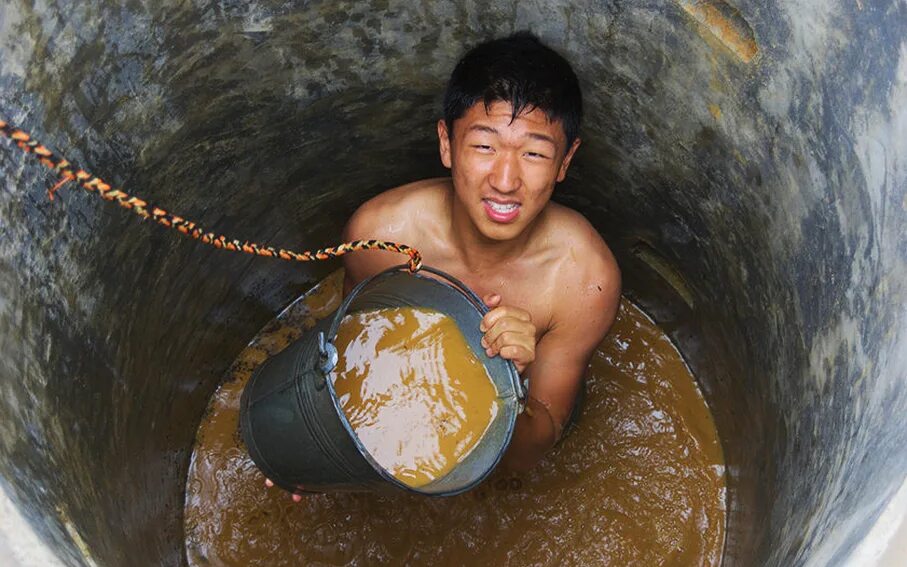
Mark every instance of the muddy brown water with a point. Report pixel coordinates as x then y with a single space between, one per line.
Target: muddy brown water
416 395
638 481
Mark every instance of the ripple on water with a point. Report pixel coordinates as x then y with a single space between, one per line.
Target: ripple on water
639 480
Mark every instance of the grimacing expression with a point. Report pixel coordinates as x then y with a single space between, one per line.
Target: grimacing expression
504 170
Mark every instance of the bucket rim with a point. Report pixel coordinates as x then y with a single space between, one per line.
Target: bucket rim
328 351
455 285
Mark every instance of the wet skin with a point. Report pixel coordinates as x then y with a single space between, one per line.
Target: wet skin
551 282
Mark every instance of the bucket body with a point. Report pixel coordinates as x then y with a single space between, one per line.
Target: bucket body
296 431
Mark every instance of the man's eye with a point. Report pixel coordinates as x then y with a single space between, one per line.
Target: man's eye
482 147
536 155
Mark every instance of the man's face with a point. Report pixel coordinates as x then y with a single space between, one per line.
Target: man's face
504 172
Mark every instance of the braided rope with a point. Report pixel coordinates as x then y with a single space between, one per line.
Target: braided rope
68 172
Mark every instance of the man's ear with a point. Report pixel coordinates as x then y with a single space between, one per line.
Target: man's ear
562 172
444 140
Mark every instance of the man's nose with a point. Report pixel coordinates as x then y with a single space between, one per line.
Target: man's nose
505 176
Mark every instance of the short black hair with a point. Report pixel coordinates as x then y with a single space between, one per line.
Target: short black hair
521 70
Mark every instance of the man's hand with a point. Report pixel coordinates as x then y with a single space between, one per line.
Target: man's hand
295 496
509 332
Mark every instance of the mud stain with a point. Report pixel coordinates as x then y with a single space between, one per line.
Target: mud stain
725 22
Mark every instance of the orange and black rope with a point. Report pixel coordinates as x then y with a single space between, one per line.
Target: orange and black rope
68 172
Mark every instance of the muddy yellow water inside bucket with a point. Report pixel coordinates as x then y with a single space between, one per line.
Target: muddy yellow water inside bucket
413 391
638 481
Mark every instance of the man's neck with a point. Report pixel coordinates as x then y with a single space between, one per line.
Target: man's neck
479 253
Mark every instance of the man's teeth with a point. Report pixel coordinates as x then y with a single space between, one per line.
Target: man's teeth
502 207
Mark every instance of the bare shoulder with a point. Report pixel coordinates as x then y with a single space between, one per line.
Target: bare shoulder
395 215
588 276
390 214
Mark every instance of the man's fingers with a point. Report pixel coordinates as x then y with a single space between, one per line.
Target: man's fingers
492 300
495 315
515 353
509 331
520 349
511 339
512 351
296 497
508 325
519 355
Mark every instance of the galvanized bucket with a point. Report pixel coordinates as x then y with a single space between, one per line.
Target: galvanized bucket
292 422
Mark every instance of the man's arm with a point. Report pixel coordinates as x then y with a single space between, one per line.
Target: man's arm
561 358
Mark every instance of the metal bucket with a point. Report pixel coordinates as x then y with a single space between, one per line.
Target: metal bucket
292 422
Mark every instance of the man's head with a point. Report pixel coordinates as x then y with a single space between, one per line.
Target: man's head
512 112
522 71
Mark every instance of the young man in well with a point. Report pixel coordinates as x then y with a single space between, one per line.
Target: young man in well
512 111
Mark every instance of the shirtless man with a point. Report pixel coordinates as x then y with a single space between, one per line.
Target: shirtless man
511 114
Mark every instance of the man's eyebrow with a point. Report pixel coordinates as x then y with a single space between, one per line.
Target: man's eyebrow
482 128
542 137
533 135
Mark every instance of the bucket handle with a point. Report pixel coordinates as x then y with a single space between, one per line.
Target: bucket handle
329 353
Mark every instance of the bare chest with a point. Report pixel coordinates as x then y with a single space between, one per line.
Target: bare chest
527 289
